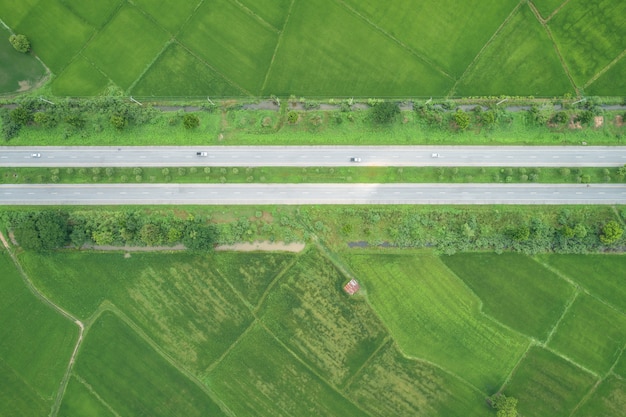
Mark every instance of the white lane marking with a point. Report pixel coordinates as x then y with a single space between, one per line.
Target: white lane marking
396 156
396 192
31 193
4 157
533 156
578 156
578 192
122 192
601 192
99 193
5 193
191 192
555 156
145 192
55 193
142 156
601 156
509 157
326 156
555 192
73 157
237 192
305 192
257 156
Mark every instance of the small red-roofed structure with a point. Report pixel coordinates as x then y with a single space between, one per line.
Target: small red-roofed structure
352 287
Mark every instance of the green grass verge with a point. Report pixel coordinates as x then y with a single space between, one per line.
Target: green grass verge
602 275
36 343
96 13
111 45
79 400
241 47
79 78
451 332
333 58
608 400
591 333
56 34
309 312
547 385
447 32
177 72
194 321
13 13
133 379
508 63
393 385
590 35
260 377
620 366
17 68
514 289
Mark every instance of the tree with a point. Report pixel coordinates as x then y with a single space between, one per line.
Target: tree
611 232
21 116
506 406
119 121
521 234
191 121
20 43
384 113
461 119
43 230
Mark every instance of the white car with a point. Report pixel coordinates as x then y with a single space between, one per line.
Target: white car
35 155
201 154
435 155
354 159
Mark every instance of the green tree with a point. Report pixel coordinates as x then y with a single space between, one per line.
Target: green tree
21 116
461 119
20 43
611 232
384 113
521 234
119 121
150 234
191 121
505 406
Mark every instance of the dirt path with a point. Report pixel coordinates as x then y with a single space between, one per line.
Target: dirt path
263 246
81 327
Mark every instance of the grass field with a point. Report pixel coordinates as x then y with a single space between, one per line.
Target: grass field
80 77
393 385
608 400
339 334
547 385
35 346
328 48
260 377
17 68
611 81
507 64
592 334
451 332
620 367
602 275
130 378
79 400
589 35
514 289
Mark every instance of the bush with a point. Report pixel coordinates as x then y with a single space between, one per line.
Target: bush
611 232
461 119
384 113
118 121
292 117
191 121
21 116
20 43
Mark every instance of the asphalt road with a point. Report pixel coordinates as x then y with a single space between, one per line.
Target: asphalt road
251 156
256 194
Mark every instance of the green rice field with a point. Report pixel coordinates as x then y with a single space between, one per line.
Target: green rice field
274 334
320 48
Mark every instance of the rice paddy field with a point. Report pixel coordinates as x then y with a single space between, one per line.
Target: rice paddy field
274 334
321 48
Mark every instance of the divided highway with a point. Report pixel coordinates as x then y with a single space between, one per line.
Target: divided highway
253 156
257 194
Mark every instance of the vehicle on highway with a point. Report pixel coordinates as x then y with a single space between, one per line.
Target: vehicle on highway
201 154
355 159
435 155
35 155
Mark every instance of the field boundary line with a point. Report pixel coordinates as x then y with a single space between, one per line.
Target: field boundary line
586 397
605 69
212 68
563 313
108 306
276 278
556 47
214 365
386 341
558 9
410 50
580 287
570 360
150 64
497 32
259 18
610 372
18 376
46 301
82 381
310 368
280 37
531 344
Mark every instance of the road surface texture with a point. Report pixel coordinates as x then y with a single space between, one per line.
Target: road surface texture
301 156
257 194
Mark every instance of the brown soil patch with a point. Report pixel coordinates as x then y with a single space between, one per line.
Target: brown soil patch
598 121
574 125
619 121
24 86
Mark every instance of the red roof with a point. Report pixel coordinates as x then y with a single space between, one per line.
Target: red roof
352 287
